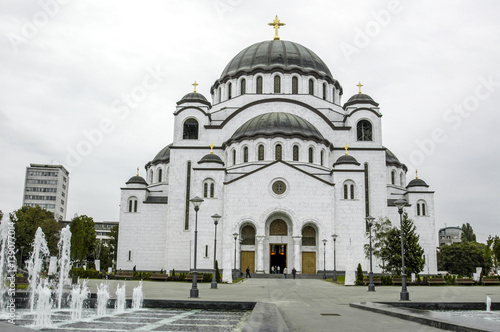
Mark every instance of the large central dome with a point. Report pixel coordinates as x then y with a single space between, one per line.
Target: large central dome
277 124
277 54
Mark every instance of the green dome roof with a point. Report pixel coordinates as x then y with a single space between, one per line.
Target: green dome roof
194 97
360 98
277 124
162 157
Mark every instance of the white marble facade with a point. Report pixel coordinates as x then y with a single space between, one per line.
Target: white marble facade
278 129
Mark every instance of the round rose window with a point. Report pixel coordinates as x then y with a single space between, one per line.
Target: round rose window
279 187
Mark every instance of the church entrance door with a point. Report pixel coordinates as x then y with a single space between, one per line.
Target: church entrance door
247 260
277 257
308 263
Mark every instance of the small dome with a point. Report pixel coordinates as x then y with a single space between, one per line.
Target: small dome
277 124
211 158
346 159
273 55
417 183
360 98
194 97
392 160
137 180
161 157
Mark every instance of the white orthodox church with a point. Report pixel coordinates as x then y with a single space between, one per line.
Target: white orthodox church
283 161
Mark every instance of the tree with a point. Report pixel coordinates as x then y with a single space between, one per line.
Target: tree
27 220
113 242
83 238
103 253
359 276
380 230
1 215
414 254
461 258
467 233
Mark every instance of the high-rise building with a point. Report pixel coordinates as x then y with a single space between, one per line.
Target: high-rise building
47 186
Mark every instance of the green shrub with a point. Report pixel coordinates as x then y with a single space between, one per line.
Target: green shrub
182 277
173 272
217 272
359 276
84 274
207 277
386 280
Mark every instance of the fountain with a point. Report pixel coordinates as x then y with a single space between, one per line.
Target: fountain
64 262
102 299
488 303
43 307
4 231
137 297
79 293
120 298
35 262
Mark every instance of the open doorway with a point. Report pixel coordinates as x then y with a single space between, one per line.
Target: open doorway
277 257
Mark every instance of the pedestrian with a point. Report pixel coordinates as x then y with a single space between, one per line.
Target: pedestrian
272 269
294 272
278 269
134 268
285 271
248 272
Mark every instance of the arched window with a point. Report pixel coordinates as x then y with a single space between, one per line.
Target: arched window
208 188
245 154
219 94
277 84
324 91
393 177
278 152
151 176
364 129
243 87
160 171
402 179
190 129
248 235
311 155
261 152
349 190
295 85
132 204
421 208
295 153
311 86
333 95
322 157
259 85
229 88
308 236
278 227
234 157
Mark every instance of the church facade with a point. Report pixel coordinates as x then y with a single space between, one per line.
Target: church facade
285 164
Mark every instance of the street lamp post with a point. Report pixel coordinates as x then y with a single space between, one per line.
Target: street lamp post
216 219
324 259
235 235
194 292
334 236
404 295
371 286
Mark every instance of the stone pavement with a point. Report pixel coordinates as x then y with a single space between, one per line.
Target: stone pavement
316 305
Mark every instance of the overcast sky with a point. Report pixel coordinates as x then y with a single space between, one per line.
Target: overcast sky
66 68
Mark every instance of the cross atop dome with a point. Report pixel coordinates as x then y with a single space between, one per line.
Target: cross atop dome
276 24
195 85
345 148
359 85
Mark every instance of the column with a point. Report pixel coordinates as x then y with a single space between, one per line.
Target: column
297 252
260 254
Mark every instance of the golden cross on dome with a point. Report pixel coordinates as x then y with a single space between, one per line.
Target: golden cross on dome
346 147
195 85
359 85
416 173
137 171
276 24
211 148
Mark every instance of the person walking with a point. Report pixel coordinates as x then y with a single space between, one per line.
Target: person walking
272 269
278 267
294 272
248 272
285 271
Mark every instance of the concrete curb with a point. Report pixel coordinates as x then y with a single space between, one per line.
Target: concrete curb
265 317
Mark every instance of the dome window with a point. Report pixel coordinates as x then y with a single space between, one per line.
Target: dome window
322 157
311 86
324 91
243 87
277 84
234 157
229 87
151 176
278 152
245 154
261 152
160 175
364 131
295 153
311 155
190 129
393 177
295 85
259 85
402 179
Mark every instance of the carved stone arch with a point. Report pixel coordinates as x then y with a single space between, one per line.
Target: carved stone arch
248 232
309 234
278 227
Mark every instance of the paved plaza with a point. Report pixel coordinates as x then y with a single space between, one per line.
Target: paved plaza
316 305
